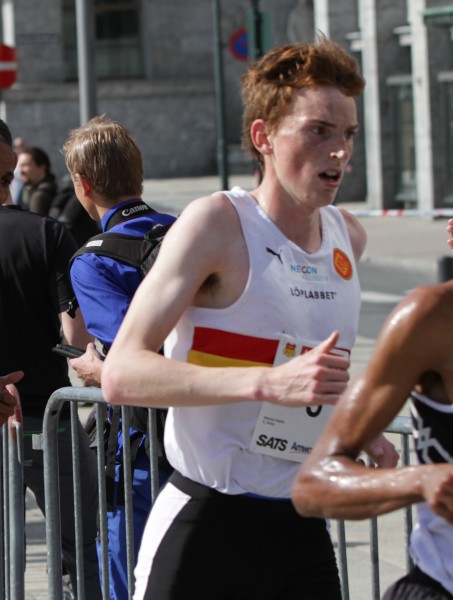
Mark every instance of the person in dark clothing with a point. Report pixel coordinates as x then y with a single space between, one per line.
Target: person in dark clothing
67 209
35 291
40 186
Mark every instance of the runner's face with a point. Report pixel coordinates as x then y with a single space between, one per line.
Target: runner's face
313 144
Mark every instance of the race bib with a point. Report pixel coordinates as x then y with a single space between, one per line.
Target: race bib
290 433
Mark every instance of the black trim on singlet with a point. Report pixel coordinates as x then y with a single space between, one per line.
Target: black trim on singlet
198 490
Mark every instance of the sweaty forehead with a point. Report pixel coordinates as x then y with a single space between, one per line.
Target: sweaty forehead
314 107
323 100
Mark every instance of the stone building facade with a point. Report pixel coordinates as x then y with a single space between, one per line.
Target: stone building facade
156 62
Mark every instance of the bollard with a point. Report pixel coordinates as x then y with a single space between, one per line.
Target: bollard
445 268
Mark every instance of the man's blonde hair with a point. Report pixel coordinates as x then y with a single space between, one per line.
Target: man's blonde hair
106 154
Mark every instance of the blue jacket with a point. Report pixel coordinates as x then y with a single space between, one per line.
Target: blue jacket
104 286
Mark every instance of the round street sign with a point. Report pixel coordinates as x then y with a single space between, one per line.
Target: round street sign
239 44
8 66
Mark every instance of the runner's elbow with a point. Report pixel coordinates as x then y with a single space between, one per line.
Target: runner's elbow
112 383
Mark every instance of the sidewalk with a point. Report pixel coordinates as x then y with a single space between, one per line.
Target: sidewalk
413 243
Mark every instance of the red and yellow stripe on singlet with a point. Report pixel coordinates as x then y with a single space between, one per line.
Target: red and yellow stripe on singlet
217 348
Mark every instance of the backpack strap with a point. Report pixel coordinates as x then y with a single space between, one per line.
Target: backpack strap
138 251
119 246
128 212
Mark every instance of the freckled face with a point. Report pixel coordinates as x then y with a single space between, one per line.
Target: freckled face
313 144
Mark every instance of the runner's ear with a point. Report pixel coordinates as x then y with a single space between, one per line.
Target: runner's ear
260 138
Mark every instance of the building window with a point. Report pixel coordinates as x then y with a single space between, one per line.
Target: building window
406 187
118 39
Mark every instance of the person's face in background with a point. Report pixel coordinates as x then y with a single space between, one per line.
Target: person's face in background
30 172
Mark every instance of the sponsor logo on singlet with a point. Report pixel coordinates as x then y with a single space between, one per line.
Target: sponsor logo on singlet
297 448
309 272
342 264
311 294
272 442
290 349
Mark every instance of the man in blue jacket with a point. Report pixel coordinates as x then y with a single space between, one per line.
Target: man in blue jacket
105 164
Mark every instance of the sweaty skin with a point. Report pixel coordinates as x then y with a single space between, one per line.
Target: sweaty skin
413 351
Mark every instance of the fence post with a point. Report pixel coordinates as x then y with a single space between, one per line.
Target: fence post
52 496
77 502
343 560
130 554
103 531
153 451
4 581
16 506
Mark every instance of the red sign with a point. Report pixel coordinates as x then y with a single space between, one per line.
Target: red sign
8 66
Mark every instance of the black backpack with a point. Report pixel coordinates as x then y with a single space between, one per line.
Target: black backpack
139 252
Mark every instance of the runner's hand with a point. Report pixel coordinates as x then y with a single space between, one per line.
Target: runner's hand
382 452
8 395
316 377
437 489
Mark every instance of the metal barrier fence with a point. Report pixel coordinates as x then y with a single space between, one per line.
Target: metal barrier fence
12 550
53 535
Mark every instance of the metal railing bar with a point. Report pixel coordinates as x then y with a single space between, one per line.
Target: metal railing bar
77 502
343 560
16 503
130 558
101 411
153 459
